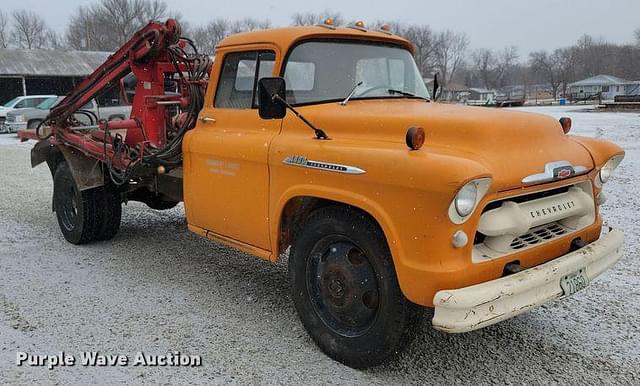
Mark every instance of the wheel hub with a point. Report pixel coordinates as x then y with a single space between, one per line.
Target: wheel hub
343 287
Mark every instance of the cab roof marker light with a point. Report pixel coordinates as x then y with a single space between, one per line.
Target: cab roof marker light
327 23
359 25
386 28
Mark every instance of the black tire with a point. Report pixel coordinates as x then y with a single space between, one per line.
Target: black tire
110 212
76 211
345 289
32 125
158 203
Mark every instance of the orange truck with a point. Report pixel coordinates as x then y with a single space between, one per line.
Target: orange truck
322 144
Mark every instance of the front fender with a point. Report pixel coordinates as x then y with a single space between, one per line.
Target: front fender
407 194
601 151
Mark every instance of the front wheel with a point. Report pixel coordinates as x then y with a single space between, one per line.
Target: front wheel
345 289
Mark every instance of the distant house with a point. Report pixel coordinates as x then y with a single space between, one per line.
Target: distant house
454 92
610 86
480 95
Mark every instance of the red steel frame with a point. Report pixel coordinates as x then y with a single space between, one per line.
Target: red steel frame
146 56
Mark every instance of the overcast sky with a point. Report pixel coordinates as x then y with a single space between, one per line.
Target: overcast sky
530 24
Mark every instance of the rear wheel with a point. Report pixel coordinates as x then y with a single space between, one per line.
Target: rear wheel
158 203
345 289
76 210
110 212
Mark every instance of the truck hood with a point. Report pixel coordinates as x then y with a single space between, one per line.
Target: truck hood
28 111
510 144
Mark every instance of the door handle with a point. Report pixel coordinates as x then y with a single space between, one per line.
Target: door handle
204 118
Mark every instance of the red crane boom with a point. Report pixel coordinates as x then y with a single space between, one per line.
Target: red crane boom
169 92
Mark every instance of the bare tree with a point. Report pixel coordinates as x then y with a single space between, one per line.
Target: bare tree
29 30
4 25
424 41
484 64
495 69
108 24
505 64
310 18
566 63
122 18
84 31
248 24
547 65
636 35
155 10
450 53
207 37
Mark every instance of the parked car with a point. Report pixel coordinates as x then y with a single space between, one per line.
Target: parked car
19 119
20 103
30 118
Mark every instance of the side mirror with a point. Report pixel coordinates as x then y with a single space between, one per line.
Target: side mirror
271 94
436 87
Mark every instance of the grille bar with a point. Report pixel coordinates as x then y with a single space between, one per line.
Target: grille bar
539 235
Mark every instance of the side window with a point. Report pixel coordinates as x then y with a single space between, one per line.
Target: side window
21 104
239 78
33 102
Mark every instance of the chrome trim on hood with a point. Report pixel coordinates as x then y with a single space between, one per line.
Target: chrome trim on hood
554 171
297 160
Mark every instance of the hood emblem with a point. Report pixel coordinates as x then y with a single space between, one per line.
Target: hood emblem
553 171
298 160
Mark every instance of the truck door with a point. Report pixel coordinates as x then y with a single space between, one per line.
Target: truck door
227 178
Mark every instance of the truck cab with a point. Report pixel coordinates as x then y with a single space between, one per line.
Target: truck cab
322 145
254 183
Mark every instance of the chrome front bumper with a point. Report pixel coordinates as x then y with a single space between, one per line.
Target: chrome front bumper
484 304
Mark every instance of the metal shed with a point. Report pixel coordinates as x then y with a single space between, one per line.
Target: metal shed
31 72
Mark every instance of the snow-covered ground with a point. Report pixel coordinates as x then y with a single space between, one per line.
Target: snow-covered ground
156 287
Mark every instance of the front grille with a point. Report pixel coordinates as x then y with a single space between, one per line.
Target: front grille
526 197
11 118
504 237
539 235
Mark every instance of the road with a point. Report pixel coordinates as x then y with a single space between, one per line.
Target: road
157 288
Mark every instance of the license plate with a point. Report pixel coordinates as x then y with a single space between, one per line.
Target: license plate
574 282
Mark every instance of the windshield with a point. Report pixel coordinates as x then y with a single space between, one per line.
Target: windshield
47 103
11 102
322 71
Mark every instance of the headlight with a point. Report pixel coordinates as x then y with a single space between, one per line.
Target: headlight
19 118
608 168
467 199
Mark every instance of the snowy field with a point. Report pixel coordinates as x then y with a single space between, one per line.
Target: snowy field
158 288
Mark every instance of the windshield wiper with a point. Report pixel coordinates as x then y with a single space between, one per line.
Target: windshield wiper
353 91
405 93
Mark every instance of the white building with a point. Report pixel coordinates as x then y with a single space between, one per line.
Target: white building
610 86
